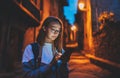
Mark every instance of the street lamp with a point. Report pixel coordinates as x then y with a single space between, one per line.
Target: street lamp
81 6
73 28
73 33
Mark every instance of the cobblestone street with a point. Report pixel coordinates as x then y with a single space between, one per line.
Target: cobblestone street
81 67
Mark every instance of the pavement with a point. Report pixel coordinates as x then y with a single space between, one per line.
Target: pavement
81 67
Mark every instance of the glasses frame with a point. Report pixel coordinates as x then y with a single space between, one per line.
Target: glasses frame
54 30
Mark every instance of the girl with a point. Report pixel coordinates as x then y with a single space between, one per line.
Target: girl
49 41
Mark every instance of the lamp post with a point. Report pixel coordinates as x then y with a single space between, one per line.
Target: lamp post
86 9
74 30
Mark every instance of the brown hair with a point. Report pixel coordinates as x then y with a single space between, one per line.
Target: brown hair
58 43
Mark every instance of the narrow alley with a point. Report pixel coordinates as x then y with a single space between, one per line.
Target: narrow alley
89 32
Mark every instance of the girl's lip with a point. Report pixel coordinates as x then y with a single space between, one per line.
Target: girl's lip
53 36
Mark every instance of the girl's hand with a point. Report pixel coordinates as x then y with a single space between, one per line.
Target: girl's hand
57 56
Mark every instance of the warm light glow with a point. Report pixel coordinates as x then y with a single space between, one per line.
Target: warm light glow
71 36
81 6
75 44
73 28
73 33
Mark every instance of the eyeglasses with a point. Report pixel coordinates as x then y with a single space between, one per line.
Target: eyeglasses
55 31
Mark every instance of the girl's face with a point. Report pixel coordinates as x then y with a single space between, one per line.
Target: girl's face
52 31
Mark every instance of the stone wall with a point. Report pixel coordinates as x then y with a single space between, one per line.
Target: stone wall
107 42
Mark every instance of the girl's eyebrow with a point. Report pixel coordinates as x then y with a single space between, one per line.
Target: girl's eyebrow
52 26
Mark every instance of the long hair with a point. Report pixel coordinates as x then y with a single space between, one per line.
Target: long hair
58 43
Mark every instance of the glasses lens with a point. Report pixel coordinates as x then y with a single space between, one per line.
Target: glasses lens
55 31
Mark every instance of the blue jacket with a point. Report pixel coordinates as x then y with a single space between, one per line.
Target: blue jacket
56 70
35 69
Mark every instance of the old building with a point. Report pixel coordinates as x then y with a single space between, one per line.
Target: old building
20 22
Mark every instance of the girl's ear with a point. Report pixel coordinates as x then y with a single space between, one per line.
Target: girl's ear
43 28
